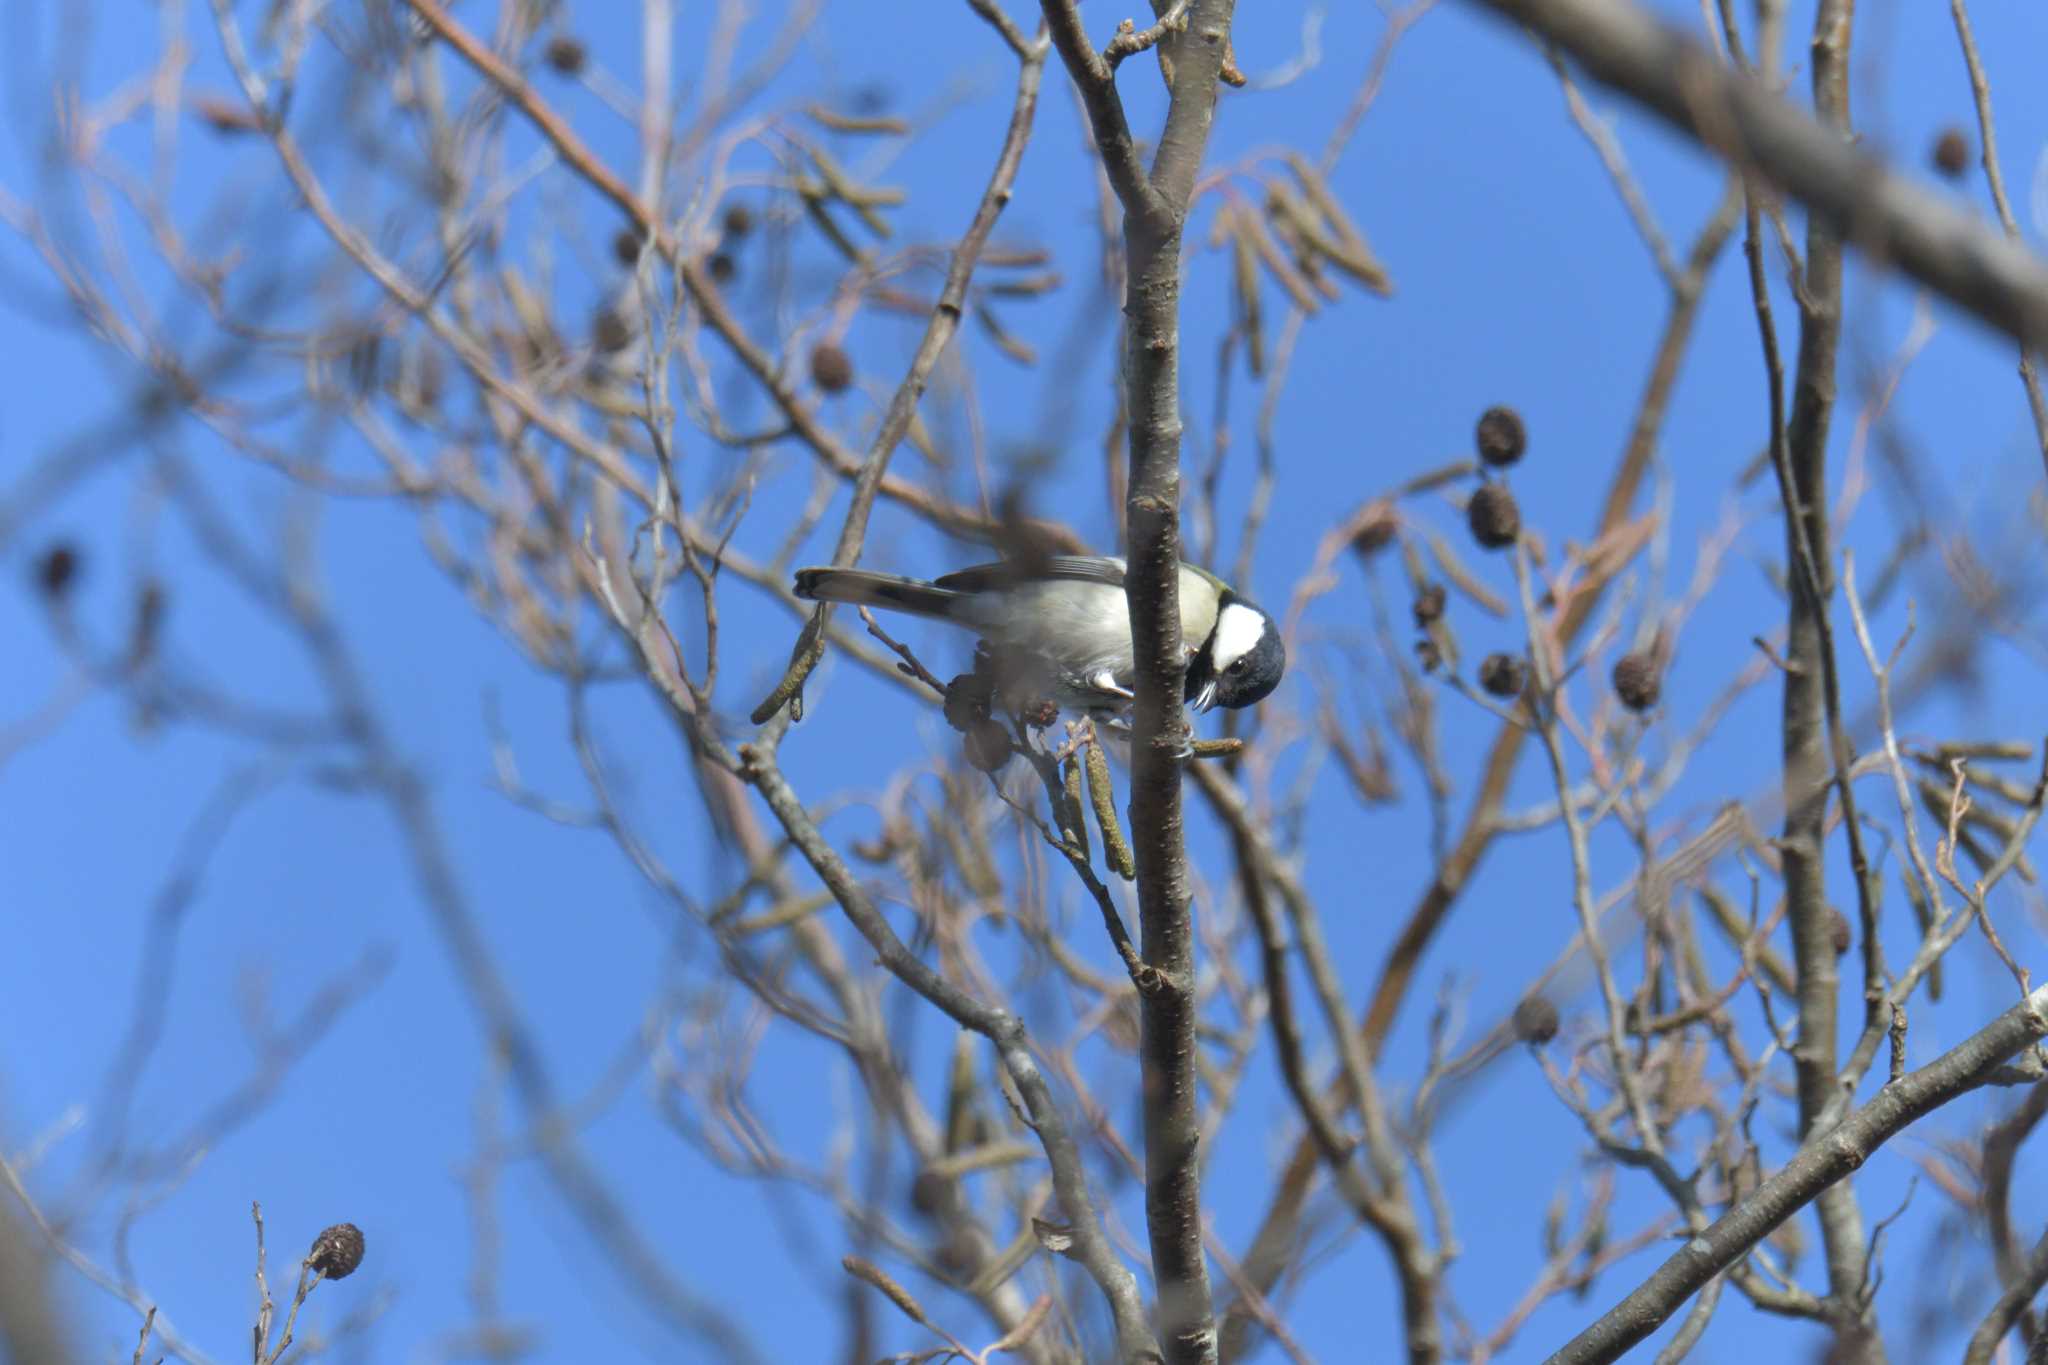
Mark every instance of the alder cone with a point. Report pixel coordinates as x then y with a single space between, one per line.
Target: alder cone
1495 519
566 55
831 367
1503 675
610 332
1429 603
337 1251
1377 533
56 571
1535 1020
1636 681
967 701
988 745
1502 437
1952 153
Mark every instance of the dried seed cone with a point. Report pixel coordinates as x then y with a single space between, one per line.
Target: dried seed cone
1501 436
831 367
1535 1020
967 701
1952 152
1377 532
1503 675
1429 603
739 220
337 1252
1495 519
988 745
610 332
1838 930
1636 681
928 1193
56 571
566 55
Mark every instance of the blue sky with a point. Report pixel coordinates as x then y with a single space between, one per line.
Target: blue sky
1518 279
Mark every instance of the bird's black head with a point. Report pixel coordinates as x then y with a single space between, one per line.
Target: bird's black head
1242 660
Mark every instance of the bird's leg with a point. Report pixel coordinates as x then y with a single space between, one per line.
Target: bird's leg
1118 725
1105 681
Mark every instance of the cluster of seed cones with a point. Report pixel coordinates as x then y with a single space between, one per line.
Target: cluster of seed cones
1495 521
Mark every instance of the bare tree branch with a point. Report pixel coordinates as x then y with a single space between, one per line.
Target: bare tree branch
1741 119
1155 212
1825 1159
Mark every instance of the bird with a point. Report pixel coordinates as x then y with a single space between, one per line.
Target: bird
1062 622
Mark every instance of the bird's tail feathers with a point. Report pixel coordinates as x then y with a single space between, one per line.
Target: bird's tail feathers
860 587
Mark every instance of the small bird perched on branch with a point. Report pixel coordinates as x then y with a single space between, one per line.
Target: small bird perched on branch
1061 622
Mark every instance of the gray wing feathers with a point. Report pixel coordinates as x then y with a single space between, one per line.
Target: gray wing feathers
1010 573
1199 590
860 587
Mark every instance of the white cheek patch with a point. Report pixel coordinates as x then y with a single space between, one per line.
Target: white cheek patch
1238 631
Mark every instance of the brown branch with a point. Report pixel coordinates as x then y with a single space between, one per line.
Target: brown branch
938 334
1823 1161
1090 1247
2000 1151
1386 1206
1743 120
1095 79
1271 1250
803 418
1130 40
2010 1305
1813 744
29 1326
1155 211
1994 179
